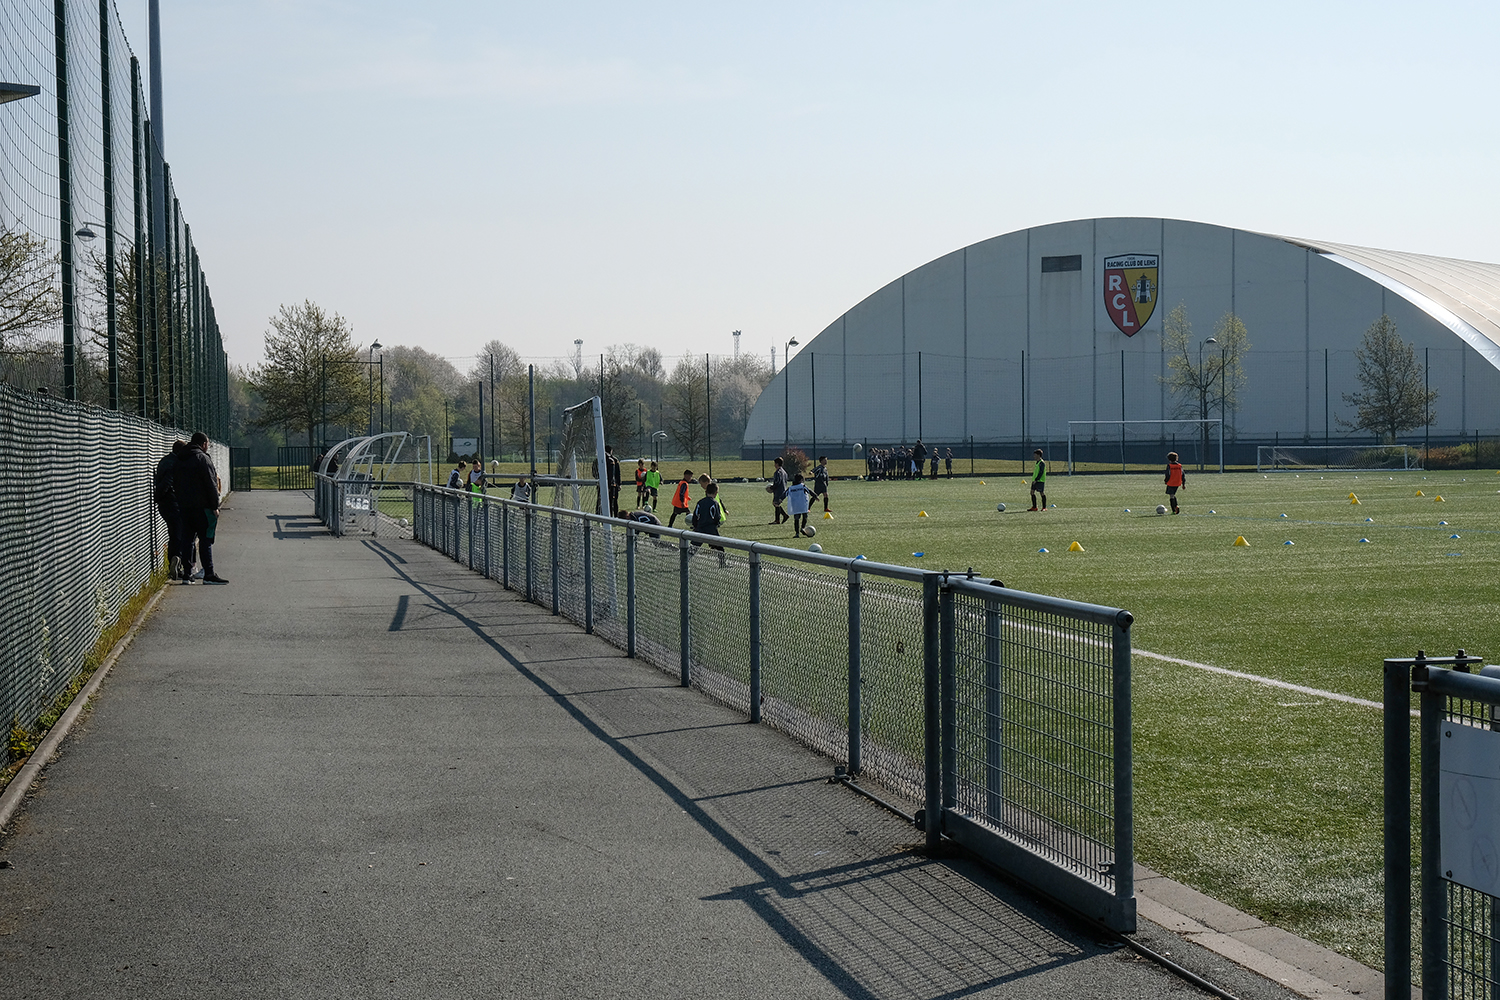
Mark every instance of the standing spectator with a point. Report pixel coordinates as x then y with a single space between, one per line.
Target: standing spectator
777 489
820 481
165 496
612 467
799 501
1039 480
918 457
196 484
681 502
948 461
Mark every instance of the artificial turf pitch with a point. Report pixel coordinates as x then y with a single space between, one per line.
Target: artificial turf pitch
1265 798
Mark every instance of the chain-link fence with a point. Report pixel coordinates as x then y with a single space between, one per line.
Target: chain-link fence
1005 714
79 537
103 297
1459 784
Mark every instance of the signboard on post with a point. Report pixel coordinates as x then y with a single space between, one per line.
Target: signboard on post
1469 806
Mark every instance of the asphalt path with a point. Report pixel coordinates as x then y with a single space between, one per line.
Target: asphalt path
360 770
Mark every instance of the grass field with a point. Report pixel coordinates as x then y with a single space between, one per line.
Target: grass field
1265 798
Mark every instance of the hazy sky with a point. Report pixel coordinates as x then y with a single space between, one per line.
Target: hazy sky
443 174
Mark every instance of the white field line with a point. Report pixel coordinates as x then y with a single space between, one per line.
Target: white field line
1267 681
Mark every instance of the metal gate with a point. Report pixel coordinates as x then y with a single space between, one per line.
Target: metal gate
294 467
1460 828
239 470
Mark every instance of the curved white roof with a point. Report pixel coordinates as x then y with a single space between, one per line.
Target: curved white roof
1463 295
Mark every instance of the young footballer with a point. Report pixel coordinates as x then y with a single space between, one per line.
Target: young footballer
1175 479
1039 480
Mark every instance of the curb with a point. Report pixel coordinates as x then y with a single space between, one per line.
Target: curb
1307 969
15 792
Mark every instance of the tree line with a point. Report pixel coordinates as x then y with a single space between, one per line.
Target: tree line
318 385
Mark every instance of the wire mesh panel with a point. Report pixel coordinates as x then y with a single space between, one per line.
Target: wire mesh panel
891 684
805 654
719 625
608 553
658 619
1034 694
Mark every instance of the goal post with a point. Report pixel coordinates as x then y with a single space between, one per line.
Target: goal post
581 482
1199 442
1337 458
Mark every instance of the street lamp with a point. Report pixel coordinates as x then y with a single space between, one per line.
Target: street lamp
16 91
786 391
657 437
370 360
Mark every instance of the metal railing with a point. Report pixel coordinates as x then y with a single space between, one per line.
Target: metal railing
1006 714
1459 725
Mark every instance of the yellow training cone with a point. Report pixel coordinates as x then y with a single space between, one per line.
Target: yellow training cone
1420 493
1241 541
1075 547
1437 499
1353 499
921 513
981 482
828 515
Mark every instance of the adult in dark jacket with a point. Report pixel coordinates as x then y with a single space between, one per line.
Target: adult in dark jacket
164 494
196 483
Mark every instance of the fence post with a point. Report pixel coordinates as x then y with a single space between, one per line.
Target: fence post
630 534
1124 872
856 681
530 562
555 564
468 502
754 636
1434 897
931 709
588 576
994 763
682 591
948 654
1397 768
484 505
505 545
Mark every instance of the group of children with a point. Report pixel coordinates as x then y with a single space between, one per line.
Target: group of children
1175 478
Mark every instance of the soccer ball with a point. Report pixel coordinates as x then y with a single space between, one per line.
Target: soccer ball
647 507
1161 508
809 531
1000 506
815 547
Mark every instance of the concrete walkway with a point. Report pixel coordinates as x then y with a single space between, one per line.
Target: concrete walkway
362 771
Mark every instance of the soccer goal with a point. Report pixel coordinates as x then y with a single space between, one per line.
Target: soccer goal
579 483
1198 443
1336 457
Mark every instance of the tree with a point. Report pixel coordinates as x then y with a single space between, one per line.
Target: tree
687 406
30 299
312 374
1193 378
1393 397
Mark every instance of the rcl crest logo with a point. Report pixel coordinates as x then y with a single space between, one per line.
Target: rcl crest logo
1130 290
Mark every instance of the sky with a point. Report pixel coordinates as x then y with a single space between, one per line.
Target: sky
665 173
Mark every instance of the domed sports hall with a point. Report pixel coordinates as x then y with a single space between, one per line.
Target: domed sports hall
1053 337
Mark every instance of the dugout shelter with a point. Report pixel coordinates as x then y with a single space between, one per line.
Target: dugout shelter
999 345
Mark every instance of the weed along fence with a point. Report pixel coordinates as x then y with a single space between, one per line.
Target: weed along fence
1005 714
1459 785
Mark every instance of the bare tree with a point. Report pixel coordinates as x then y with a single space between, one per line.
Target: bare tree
1393 395
30 299
1198 381
312 373
687 406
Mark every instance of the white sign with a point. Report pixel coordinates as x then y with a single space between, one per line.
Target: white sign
1469 806
465 446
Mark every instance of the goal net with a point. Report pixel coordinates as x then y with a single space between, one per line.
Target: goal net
579 483
1336 457
1105 444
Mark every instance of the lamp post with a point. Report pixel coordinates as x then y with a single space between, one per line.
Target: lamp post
786 392
370 360
657 437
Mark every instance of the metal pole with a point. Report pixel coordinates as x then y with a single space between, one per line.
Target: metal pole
1434 892
931 713
994 705
65 198
138 188
111 321
708 402
484 508
1397 820
530 561
505 545
949 693
1426 404
754 636
682 598
856 680
531 427
630 534
555 563
588 577
1124 868
919 396
1122 412
812 362
1325 397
